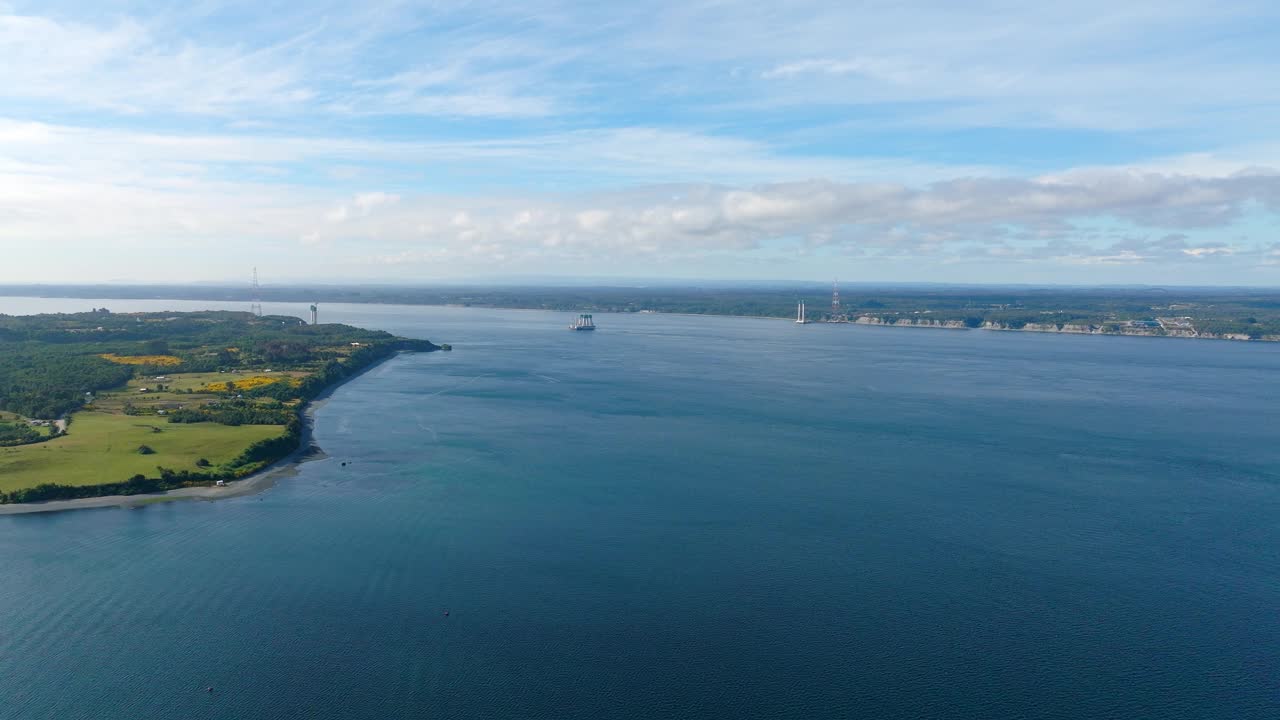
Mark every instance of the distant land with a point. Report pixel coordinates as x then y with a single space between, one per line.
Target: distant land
1214 313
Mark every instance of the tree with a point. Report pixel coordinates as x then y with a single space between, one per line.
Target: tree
156 347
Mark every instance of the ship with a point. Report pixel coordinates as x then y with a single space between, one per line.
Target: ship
583 323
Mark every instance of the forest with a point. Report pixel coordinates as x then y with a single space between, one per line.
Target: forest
50 362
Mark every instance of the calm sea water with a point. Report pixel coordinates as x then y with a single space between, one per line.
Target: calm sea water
682 517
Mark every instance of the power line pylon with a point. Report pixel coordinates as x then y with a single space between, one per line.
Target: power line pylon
255 290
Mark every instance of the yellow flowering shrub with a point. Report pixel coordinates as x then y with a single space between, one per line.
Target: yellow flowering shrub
250 383
162 360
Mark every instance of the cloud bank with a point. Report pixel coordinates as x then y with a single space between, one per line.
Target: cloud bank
735 138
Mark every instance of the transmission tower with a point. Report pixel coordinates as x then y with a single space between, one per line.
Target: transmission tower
835 298
255 290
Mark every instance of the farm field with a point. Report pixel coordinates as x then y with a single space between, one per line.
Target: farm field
215 381
187 388
103 448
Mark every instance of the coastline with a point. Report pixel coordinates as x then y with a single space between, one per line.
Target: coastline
865 320
259 481
876 321
1067 329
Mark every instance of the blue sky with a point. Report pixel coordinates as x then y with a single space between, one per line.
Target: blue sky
875 141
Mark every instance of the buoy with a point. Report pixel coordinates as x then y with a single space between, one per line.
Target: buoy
446 613
209 689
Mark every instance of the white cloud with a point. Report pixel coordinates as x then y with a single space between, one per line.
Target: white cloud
1091 64
125 67
464 104
628 154
945 220
135 66
569 131
367 202
361 206
83 188
464 87
897 71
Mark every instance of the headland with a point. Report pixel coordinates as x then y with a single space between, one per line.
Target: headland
107 409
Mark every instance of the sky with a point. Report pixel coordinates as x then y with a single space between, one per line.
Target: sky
1012 142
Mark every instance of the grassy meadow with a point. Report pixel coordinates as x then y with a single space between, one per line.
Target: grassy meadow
102 447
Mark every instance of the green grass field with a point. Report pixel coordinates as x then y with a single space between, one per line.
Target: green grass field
103 448
175 395
197 381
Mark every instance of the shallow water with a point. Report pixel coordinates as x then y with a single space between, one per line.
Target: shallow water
695 517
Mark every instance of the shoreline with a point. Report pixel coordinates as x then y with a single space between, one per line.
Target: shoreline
873 321
259 481
864 320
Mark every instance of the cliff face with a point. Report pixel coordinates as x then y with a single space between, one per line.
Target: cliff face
1072 328
1237 336
1049 327
910 322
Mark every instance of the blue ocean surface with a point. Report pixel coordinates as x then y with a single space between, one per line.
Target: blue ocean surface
694 517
